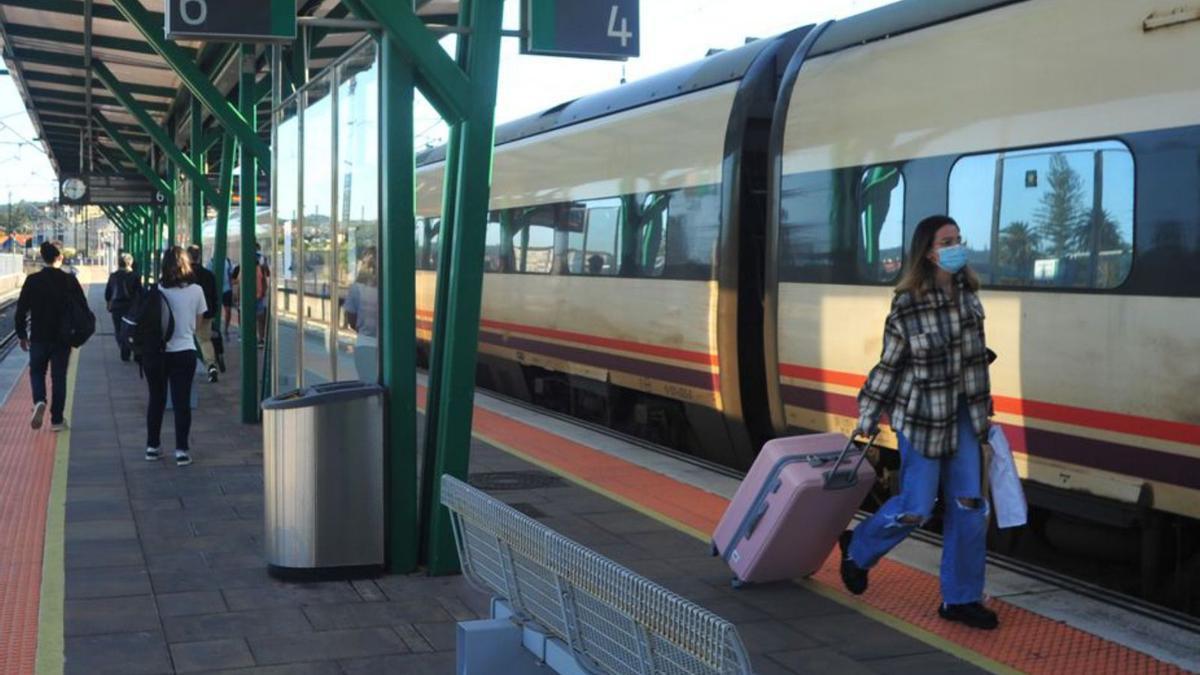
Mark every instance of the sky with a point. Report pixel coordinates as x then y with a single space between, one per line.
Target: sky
674 32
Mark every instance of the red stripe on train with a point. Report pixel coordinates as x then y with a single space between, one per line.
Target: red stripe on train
1167 430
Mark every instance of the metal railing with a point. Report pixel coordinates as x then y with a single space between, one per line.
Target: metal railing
613 619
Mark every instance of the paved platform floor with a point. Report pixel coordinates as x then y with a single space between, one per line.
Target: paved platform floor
165 572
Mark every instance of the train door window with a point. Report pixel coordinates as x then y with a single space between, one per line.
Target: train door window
1058 216
493 252
429 248
533 242
881 223
650 215
602 233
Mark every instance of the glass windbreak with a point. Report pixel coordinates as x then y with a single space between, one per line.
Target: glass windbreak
287 251
317 231
1058 216
358 218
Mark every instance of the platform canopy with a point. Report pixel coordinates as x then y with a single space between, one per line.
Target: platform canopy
48 46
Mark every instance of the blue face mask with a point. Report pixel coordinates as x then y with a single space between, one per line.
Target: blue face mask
952 258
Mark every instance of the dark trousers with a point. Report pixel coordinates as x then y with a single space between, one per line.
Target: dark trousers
56 356
117 315
177 369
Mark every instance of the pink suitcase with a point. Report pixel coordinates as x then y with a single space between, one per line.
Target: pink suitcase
791 507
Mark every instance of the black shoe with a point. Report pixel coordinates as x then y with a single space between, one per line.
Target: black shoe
973 614
212 373
853 576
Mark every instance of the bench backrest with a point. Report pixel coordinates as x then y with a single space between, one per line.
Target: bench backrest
613 619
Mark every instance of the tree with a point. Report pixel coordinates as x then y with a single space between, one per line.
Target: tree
1107 232
1061 211
1019 248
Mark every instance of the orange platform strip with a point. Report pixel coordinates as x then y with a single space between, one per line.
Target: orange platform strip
26 468
1025 641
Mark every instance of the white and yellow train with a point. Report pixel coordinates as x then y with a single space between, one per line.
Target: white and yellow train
705 258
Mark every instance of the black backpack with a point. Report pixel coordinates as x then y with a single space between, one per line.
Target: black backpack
77 324
148 326
121 293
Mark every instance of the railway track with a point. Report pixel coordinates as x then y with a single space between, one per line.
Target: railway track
8 335
1012 564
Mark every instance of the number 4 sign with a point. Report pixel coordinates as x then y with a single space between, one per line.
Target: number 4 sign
597 29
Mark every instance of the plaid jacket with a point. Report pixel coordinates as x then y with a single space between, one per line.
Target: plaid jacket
933 351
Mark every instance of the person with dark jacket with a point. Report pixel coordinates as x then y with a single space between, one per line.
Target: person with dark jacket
44 299
122 289
207 282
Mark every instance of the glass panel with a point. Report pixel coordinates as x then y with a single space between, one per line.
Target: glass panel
1056 216
881 224
358 228
318 231
603 224
493 251
287 249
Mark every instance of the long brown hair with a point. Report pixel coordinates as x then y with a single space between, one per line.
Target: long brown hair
920 272
176 268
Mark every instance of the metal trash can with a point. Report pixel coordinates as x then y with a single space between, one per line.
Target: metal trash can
323 481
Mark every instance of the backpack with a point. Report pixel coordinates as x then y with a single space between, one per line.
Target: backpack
122 294
77 324
148 326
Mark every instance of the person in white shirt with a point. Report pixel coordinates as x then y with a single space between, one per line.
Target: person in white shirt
177 366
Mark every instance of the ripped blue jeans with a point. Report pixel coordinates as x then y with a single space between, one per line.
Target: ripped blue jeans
965 520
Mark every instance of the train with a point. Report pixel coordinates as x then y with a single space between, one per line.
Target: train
704 258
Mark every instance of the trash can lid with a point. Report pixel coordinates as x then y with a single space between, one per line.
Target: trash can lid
321 394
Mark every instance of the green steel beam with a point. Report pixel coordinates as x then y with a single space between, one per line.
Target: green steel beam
197 147
398 283
441 80
138 162
248 189
221 236
164 142
240 123
76 8
37 94
74 81
169 210
479 52
73 38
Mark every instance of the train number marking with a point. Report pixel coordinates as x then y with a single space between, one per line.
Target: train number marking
624 33
186 14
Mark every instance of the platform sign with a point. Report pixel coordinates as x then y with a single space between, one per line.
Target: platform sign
231 20
593 29
109 190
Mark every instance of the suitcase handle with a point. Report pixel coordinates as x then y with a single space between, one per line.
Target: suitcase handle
758 516
837 480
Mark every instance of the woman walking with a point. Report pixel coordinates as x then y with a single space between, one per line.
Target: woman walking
932 379
176 366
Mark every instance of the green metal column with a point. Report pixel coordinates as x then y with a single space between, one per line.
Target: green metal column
456 377
221 236
398 206
198 158
169 211
249 182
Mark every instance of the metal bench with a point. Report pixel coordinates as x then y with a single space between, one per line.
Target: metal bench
611 619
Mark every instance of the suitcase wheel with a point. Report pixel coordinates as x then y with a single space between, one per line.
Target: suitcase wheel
738 583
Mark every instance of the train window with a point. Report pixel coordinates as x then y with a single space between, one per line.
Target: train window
427 243
600 239
493 251
1054 217
881 223
648 216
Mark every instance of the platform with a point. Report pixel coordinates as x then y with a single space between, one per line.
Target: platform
153 568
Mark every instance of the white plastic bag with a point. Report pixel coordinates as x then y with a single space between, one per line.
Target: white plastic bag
1008 497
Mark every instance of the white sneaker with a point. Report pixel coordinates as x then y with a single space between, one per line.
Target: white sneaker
153 454
59 426
39 414
182 458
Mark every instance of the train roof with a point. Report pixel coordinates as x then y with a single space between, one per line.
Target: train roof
730 65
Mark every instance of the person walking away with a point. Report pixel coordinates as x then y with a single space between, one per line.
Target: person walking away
175 364
44 303
932 378
362 315
262 275
204 335
122 289
227 303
